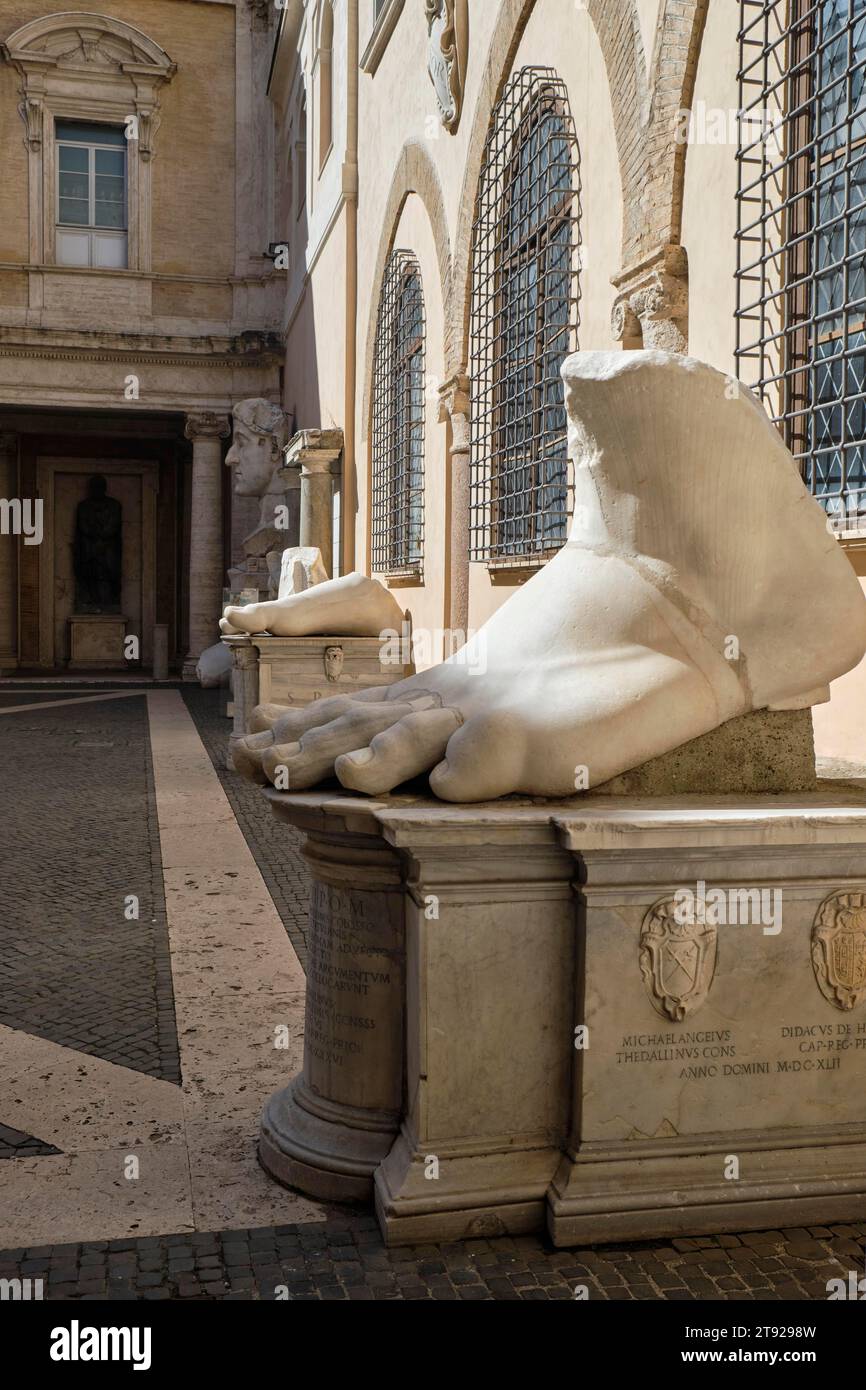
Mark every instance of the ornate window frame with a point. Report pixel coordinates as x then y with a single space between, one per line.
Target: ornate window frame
81 66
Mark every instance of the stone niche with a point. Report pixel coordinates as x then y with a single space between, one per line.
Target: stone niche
508 1027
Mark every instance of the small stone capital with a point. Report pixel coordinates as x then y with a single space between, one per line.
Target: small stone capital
652 304
454 397
206 424
310 451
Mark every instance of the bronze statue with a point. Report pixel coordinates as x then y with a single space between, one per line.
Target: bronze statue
98 550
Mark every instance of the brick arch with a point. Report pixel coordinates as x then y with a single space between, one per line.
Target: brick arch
618 31
652 164
659 199
415 173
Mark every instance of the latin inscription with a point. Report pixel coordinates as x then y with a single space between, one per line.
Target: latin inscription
716 1052
354 990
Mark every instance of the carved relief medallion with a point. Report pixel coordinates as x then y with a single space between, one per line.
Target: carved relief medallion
677 960
447 51
839 949
333 661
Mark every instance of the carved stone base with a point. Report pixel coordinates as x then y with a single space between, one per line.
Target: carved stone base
96 642
329 1130
294 671
621 1017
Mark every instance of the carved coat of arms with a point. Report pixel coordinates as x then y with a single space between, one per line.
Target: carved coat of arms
677 960
447 51
839 949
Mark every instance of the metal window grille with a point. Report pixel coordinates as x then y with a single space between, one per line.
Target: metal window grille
801 238
398 420
524 322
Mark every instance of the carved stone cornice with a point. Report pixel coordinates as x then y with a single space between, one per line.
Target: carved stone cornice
248 350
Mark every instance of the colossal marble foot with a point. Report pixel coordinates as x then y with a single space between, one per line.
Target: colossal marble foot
352 606
699 582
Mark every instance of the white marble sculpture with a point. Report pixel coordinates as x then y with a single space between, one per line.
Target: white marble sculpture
351 606
700 581
294 572
259 437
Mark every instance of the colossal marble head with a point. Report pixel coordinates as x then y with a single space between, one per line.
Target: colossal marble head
260 435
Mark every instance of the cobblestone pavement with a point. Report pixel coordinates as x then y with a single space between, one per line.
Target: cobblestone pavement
344 1259
276 847
14 1144
83 836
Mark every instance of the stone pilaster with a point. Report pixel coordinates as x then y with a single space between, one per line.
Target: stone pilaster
315 454
8 558
652 305
205 429
454 407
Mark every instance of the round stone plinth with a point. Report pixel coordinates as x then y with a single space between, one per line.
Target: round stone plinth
327 1151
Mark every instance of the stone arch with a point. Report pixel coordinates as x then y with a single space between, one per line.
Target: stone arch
618 30
675 60
652 164
415 173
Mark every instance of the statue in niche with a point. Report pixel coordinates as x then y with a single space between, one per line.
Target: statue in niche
98 550
447 52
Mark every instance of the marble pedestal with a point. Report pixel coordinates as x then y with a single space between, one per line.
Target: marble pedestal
507 1026
294 671
96 642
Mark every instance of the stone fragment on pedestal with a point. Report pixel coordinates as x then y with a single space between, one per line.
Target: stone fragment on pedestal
310 460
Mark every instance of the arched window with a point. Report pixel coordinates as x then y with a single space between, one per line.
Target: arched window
524 322
801 257
326 84
398 420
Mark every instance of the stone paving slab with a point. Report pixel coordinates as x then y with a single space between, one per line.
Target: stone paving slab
276 847
343 1259
78 1102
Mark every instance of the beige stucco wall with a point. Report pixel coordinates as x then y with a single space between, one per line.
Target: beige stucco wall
709 199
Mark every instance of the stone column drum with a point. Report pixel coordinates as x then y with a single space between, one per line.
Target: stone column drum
329 1130
205 537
